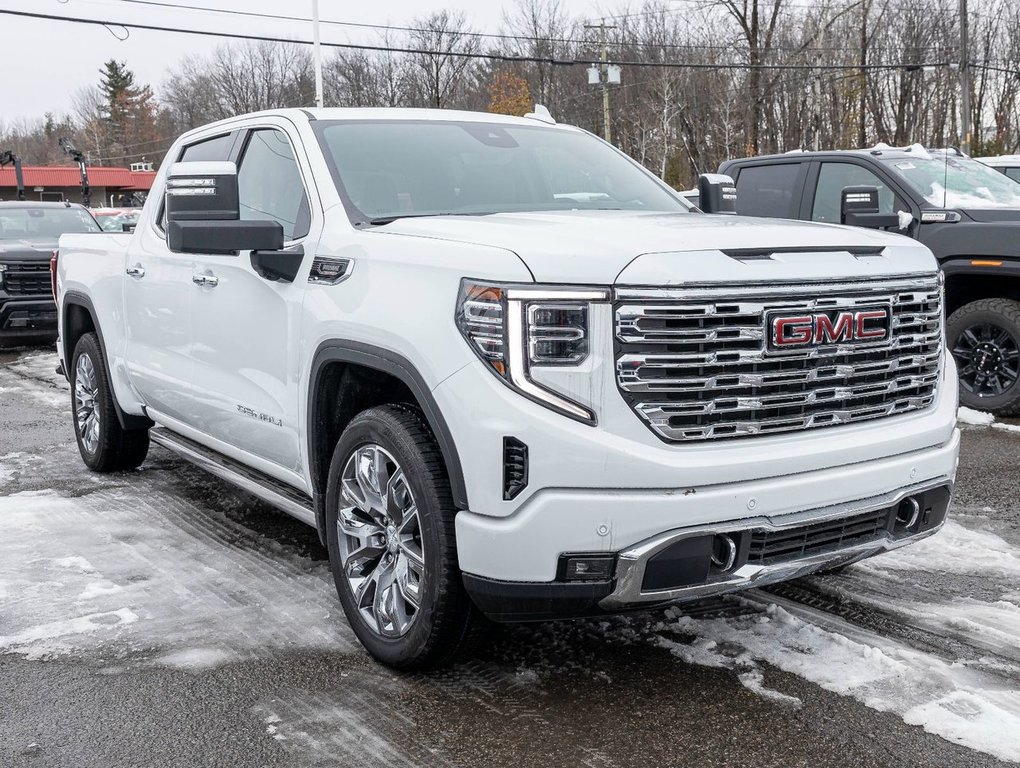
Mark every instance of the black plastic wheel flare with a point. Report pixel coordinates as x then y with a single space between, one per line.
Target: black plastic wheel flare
988 358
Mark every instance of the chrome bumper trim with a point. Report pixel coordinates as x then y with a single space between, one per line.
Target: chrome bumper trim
630 568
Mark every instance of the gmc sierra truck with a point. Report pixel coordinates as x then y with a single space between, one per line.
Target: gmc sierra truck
28 236
967 213
504 369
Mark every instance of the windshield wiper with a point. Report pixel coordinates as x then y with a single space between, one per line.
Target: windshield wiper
380 220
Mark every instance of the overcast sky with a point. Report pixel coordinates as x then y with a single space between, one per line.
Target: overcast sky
45 62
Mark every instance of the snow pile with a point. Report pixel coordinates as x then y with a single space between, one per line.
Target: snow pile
152 576
967 415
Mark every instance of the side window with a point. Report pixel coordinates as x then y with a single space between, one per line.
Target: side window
269 185
217 148
832 177
1013 173
767 190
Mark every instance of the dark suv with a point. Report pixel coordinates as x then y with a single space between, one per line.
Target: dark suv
965 212
28 237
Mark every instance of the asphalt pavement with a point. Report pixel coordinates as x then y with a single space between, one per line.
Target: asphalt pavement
161 618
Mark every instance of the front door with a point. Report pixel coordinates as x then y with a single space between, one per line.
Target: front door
245 351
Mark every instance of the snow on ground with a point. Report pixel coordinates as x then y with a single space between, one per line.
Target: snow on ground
967 415
974 701
949 699
147 575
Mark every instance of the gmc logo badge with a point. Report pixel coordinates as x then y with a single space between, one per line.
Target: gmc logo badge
868 325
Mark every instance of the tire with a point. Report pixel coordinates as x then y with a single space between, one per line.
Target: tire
414 557
104 445
984 338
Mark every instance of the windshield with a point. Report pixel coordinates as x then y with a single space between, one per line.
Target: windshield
43 223
956 182
394 169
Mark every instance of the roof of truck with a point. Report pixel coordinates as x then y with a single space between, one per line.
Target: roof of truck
879 150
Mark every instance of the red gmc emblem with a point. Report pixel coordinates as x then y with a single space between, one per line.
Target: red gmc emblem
818 329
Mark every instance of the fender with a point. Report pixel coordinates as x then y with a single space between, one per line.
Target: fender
127 421
400 368
962 265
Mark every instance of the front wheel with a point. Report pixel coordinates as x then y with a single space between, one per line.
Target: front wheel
105 446
390 534
984 338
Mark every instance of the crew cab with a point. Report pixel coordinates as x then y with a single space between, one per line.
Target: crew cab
28 236
967 213
502 368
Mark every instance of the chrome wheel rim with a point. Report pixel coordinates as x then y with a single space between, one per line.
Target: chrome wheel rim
379 532
86 412
988 358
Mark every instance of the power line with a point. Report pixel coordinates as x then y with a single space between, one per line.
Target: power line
469 54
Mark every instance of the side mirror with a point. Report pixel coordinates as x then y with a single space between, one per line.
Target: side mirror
859 207
717 193
203 213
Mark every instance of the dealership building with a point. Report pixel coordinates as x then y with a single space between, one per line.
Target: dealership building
110 186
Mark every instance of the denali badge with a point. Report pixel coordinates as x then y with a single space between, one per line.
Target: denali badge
867 325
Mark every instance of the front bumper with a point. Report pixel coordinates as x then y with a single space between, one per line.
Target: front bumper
636 585
28 318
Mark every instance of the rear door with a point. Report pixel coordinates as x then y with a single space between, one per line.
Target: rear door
158 294
246 345
772 189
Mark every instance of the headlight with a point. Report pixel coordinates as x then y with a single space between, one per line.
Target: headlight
514 328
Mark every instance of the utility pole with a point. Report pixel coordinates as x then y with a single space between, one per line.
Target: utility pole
317 53
965 122
604 75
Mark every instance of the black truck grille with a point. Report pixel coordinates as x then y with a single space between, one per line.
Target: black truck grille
27 279
769 547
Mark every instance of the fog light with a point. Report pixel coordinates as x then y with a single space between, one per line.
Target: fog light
587 567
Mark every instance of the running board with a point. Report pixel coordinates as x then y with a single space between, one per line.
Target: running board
281 496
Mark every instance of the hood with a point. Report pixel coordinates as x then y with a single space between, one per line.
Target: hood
26 250
606 247
989 215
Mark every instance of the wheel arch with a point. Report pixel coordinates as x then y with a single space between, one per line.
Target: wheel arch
78 317
967 282
332 359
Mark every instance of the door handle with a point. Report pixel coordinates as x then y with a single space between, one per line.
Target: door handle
136 271
210 280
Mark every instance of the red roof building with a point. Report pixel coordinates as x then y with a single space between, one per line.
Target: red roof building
64 183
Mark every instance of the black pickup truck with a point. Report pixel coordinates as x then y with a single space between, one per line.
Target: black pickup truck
965 212
28 237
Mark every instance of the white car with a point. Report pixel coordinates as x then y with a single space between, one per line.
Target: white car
1008 165
501 367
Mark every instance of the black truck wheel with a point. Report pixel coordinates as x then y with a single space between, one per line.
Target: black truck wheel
105 446
390 534
984 338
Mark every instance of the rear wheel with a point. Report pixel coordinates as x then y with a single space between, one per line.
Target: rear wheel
104 445
984 338
389 529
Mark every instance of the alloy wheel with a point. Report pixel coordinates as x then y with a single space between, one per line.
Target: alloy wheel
379 533
86 412
988 358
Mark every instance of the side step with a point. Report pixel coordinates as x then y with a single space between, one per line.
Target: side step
271 491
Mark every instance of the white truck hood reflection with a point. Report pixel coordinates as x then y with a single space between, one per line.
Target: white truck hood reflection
627 248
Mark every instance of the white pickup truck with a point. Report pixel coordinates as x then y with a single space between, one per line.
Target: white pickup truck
502 368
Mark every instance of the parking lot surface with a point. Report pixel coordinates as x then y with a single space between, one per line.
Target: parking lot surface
161 618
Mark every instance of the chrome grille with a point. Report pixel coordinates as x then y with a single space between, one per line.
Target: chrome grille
694 365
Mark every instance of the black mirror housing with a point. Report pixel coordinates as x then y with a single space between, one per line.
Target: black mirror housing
858 207
717 193
223 237
202 191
